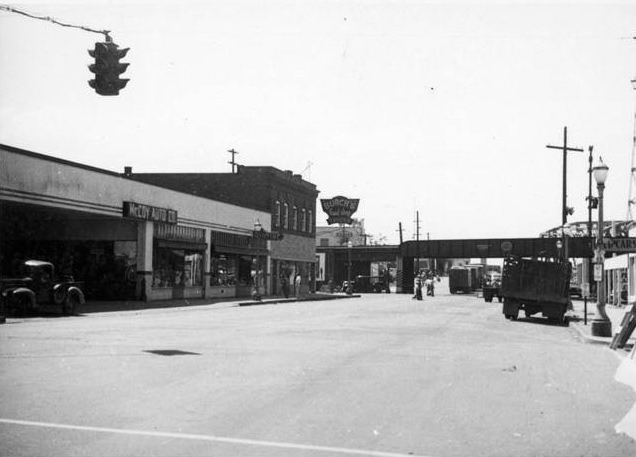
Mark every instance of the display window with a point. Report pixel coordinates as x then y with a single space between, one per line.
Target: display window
245 277
223 270
177 267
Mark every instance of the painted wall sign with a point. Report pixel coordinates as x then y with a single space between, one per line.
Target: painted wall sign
150 213
619 244
340 209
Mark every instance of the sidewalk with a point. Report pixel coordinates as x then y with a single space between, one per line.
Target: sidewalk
133 305
615 314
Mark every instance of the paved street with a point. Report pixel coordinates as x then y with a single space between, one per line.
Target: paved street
379 375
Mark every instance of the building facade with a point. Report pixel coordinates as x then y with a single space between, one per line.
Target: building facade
289 204
125 240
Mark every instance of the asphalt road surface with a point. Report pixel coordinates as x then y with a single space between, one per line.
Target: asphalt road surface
381 375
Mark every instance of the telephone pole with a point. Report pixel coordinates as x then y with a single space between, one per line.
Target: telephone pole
417 238
565 210
233 162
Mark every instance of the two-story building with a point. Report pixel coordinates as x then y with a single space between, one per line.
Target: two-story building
288 200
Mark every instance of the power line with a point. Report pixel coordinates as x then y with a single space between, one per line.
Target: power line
55 21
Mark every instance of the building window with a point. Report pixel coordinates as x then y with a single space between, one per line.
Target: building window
177 267
295 218
277 214
303 220
222 270
310 222
285 216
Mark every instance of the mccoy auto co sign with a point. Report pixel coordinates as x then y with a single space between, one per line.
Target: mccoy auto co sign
619 245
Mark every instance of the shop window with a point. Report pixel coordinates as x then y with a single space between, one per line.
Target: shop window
177 267
245 270
295 218
285 216
222 270
276 215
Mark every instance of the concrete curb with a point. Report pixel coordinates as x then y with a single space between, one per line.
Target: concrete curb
585 335
296 300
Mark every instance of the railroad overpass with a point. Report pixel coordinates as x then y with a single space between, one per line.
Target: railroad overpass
335 259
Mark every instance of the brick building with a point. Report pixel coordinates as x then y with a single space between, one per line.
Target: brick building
289 200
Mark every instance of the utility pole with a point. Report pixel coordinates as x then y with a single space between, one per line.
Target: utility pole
417 238
631 198
400 230
428 251
233 162
565 210
590 205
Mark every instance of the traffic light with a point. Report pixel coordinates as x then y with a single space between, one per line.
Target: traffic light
107 68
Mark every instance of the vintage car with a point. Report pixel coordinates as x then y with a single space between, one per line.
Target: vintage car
374 284
492 287
39 290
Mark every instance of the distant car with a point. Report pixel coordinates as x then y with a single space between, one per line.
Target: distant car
374 284
492 286
38 289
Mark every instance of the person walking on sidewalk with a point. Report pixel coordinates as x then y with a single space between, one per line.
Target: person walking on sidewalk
297 283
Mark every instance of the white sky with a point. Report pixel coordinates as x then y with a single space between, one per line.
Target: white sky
441 107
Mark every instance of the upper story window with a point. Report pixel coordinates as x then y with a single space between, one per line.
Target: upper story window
303 220
295 218
285 216
277 214
310 222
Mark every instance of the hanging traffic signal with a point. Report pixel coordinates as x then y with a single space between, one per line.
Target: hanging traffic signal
107 68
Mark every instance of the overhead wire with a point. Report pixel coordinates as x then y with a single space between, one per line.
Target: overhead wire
54 21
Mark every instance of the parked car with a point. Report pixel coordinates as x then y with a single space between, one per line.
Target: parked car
376 284
38 289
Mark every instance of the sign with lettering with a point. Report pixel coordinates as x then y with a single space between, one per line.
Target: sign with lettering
619 244
598 272
150 213
263 235
340 209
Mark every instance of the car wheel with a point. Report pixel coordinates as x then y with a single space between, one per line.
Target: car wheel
20 305
71 304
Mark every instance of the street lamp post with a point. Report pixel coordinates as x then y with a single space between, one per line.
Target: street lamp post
256 294
349 287
601 325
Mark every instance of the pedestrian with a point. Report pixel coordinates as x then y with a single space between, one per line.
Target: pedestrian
284 286
430 286
297 283
418 288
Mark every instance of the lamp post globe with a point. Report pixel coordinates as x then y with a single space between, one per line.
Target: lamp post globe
601 324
